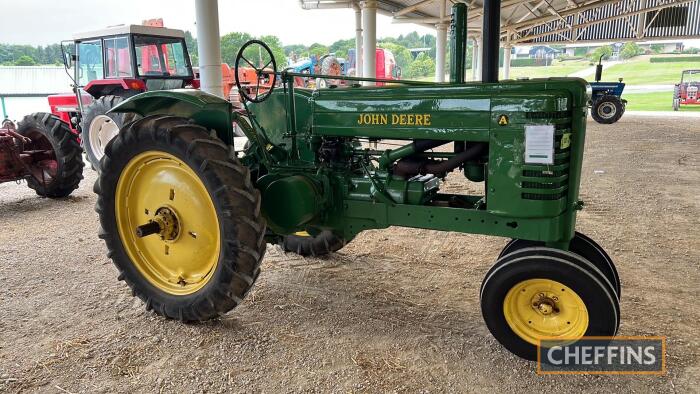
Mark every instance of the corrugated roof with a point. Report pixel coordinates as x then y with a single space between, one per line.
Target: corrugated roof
33 80
560 21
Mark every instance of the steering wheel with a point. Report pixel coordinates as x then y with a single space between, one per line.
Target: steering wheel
262 72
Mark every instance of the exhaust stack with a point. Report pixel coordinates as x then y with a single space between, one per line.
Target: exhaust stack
458 43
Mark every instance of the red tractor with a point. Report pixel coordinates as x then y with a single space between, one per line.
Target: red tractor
111 65
43 151
686 92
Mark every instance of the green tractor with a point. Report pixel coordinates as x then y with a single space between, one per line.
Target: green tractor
186 217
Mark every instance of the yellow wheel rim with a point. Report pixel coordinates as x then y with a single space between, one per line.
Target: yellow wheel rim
542 308
157 186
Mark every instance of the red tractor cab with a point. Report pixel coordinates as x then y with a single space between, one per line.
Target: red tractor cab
111 65
686 92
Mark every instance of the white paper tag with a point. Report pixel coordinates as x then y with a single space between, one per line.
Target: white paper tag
539 144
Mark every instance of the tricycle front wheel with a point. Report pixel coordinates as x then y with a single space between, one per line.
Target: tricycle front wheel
542 293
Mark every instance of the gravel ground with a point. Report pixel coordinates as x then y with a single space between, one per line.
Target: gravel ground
396 310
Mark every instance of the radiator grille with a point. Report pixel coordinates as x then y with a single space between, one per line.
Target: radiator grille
545 197
549 182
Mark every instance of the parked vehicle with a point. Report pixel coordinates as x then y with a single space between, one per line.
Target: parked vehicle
607 106
111 65
386 67
43 151
686 91
186 221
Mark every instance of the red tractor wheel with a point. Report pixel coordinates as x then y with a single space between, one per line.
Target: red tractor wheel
99 127
61 169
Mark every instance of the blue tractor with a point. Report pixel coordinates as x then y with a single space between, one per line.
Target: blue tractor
606 105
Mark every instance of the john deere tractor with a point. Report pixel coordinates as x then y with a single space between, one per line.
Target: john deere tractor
186 217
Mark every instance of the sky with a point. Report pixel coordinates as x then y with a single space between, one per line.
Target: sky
41 22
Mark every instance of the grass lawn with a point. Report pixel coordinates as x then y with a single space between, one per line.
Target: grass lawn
639 71
654 101
557 69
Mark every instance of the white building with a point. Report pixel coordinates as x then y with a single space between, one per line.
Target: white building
23 90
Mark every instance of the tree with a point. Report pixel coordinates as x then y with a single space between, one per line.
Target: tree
401 54
341 47
277 51
230 44
318 50
630 50
657 48
192 48
25 60
580 51
298 49
191 43
423 66
604 51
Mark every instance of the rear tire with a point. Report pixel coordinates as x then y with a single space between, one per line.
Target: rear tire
607 109
676 97
305 244
49 132
211 261
98 127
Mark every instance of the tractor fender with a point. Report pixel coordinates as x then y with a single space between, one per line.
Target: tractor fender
203 108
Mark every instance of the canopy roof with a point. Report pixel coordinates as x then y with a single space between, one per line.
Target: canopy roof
553 21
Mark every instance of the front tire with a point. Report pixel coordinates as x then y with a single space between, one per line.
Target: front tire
583 246
205 254
607 109
59 175
538 293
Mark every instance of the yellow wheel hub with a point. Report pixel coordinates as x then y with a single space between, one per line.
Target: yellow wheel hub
167 222
543 308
